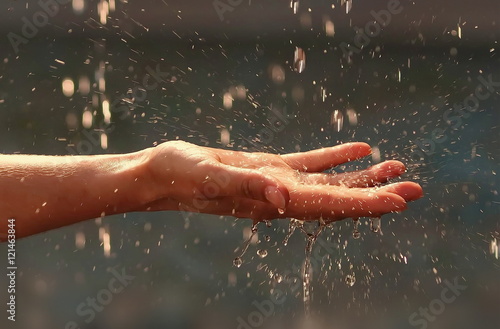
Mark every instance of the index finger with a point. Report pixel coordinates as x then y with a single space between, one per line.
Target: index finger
326 158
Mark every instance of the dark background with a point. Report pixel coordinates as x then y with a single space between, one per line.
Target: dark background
182 263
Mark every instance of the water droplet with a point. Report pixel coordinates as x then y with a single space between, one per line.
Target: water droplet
355 231
375 224
262 253
267 238
237 262
291 228
329 28
268 223
294 4
281 211
299 60
348 6
337 120
350 280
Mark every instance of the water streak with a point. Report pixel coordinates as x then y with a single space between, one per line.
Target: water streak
306 279
238 261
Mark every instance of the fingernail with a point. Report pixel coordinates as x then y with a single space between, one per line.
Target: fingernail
274 196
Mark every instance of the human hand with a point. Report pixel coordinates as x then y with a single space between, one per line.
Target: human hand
266 186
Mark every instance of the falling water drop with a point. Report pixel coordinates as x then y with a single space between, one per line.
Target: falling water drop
267 238
329 28
375 224
348 6
262 253
337 120
294 4
350 280
237 262
299 60
355 231
291 229
306 279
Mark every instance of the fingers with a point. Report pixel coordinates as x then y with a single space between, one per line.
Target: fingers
408 190
374 175
323 159
310 203
307 203
220 180
340 202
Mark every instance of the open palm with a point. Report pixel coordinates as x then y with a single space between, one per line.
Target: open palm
266 186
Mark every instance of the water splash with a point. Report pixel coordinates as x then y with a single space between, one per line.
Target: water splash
294 223
238 261
306 278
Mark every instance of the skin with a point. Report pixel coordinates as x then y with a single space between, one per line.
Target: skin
47 192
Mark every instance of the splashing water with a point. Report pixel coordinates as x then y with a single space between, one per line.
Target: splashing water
238 261
312 237
294 223
306 279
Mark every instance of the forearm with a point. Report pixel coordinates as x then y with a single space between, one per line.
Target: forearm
47 192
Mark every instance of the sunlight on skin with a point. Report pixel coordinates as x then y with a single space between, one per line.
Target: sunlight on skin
309 193
47 192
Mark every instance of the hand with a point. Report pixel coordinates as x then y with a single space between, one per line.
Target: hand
266 186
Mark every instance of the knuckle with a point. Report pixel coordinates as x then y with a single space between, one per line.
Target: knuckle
246 188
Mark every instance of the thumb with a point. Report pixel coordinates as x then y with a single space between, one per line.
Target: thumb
219 180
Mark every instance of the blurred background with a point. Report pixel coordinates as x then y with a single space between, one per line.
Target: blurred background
417 80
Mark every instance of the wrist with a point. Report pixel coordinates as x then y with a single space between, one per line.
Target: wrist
131 172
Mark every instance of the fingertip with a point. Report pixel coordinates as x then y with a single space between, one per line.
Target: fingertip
286 194
390 168
277 196
362 149
410 191
396 202
414 190
396 167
